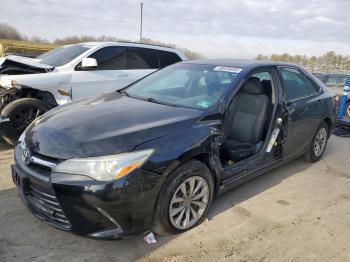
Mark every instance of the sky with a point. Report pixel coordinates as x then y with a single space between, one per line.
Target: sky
222 29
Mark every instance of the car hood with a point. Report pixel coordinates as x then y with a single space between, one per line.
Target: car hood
22 64
106 125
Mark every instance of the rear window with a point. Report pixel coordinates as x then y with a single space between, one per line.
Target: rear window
141 58
167 58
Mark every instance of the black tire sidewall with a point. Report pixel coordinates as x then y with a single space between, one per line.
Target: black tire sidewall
161 218
6 128
311 154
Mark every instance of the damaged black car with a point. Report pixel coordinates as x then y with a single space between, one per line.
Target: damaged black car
155 154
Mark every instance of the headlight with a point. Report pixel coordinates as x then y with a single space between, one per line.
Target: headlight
104 168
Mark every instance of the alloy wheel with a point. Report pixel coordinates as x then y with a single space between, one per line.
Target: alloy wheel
320 141
347 113
189 202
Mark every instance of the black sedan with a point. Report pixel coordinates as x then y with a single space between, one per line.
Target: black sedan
155 154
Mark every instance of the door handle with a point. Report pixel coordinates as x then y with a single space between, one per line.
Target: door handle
319 101
120 74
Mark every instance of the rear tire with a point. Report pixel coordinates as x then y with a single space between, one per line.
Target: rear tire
318 143
21 113
194 205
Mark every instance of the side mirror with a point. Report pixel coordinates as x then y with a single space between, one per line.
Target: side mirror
88 62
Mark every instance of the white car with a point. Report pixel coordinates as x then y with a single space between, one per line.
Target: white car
31 86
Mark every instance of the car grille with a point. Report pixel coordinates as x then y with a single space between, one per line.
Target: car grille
37 189
47 206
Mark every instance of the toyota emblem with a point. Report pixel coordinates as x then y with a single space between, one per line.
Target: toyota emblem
25 153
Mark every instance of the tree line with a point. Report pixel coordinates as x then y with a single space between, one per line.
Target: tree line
330 62
10 32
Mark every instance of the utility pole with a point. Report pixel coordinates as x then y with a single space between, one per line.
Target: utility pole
141 22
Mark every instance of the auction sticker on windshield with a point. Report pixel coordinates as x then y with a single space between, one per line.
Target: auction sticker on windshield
204 103
228 69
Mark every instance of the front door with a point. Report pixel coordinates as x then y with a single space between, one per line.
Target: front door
109 75
118 67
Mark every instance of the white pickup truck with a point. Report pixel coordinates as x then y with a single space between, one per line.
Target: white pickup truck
31 86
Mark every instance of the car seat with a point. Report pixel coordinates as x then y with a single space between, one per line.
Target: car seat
247 117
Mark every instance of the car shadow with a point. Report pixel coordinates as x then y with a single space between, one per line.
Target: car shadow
256 186
16 222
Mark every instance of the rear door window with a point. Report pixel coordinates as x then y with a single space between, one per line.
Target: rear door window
141 58
110 58
297 84
167 58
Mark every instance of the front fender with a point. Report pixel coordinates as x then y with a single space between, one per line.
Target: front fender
57 83
176 148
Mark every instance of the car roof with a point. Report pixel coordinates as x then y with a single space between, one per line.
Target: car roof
241 63
132 44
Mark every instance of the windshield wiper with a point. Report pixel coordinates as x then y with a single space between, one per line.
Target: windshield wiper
152 100
123 92
148 99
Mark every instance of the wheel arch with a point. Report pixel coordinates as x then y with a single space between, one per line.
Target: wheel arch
28 92
329 123
203 157
44 96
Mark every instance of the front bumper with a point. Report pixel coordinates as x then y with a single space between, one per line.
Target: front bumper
89 208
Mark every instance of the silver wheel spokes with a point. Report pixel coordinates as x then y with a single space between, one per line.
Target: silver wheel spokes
320 141
189 202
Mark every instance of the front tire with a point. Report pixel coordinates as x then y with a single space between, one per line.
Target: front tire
184 200
21 113
318 143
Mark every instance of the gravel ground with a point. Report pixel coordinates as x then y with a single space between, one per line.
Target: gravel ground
299 212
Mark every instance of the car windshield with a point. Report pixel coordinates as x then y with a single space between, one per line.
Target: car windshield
185 85
62 55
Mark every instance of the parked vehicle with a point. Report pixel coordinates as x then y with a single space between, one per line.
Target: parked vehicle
29 87
336 83
155 154
333 80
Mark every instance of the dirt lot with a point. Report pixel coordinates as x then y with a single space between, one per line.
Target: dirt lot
299 212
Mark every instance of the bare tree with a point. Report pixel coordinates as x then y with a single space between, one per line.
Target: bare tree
9 32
